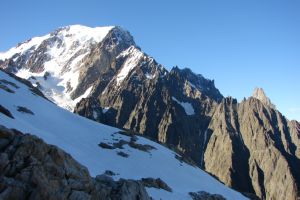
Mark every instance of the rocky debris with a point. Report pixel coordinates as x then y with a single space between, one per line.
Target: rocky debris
31 169
6 112
4 86
132 143
141 147
205 196
7 89
105 146
109 173
155 183
185 159
24 110
3 81
123 154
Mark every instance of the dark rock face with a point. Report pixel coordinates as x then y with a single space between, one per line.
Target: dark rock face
31 169
147 101
253 146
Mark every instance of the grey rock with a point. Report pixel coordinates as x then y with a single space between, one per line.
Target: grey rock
251 150
156 183
32 169
205 196
260 94
6 112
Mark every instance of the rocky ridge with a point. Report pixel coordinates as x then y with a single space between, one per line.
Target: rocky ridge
260 94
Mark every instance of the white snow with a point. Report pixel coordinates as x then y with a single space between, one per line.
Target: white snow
80 137
85 95
104 110
77 42
150 76
22 48
134 57
95 114
188 107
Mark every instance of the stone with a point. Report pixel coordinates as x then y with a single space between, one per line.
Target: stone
32 169
205 196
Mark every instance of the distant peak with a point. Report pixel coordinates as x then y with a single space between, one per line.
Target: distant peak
260 94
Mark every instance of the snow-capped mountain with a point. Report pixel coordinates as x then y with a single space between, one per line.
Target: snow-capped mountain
249 145
55 62
100 147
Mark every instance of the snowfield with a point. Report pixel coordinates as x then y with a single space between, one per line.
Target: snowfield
80 137
71 45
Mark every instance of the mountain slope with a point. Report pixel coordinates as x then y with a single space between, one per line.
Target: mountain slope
56 62
256 149
249 146
98 146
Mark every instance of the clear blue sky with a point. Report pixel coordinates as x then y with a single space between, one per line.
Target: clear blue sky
240 44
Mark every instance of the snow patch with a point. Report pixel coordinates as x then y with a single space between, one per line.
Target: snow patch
150 76
85 95
188 107
95 114
134 57
104 110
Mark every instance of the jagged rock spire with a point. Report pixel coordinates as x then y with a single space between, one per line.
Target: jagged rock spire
260 94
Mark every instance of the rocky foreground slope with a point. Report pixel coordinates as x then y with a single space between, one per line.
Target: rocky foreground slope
32 169
106 77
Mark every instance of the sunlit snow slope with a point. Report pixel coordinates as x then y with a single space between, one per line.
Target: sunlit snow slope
58 57
80 137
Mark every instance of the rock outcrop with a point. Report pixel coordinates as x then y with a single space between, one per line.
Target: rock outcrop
254 148
205 196
31 169
260 94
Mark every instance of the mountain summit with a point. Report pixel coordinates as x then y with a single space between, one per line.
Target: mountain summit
260 94
58 63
